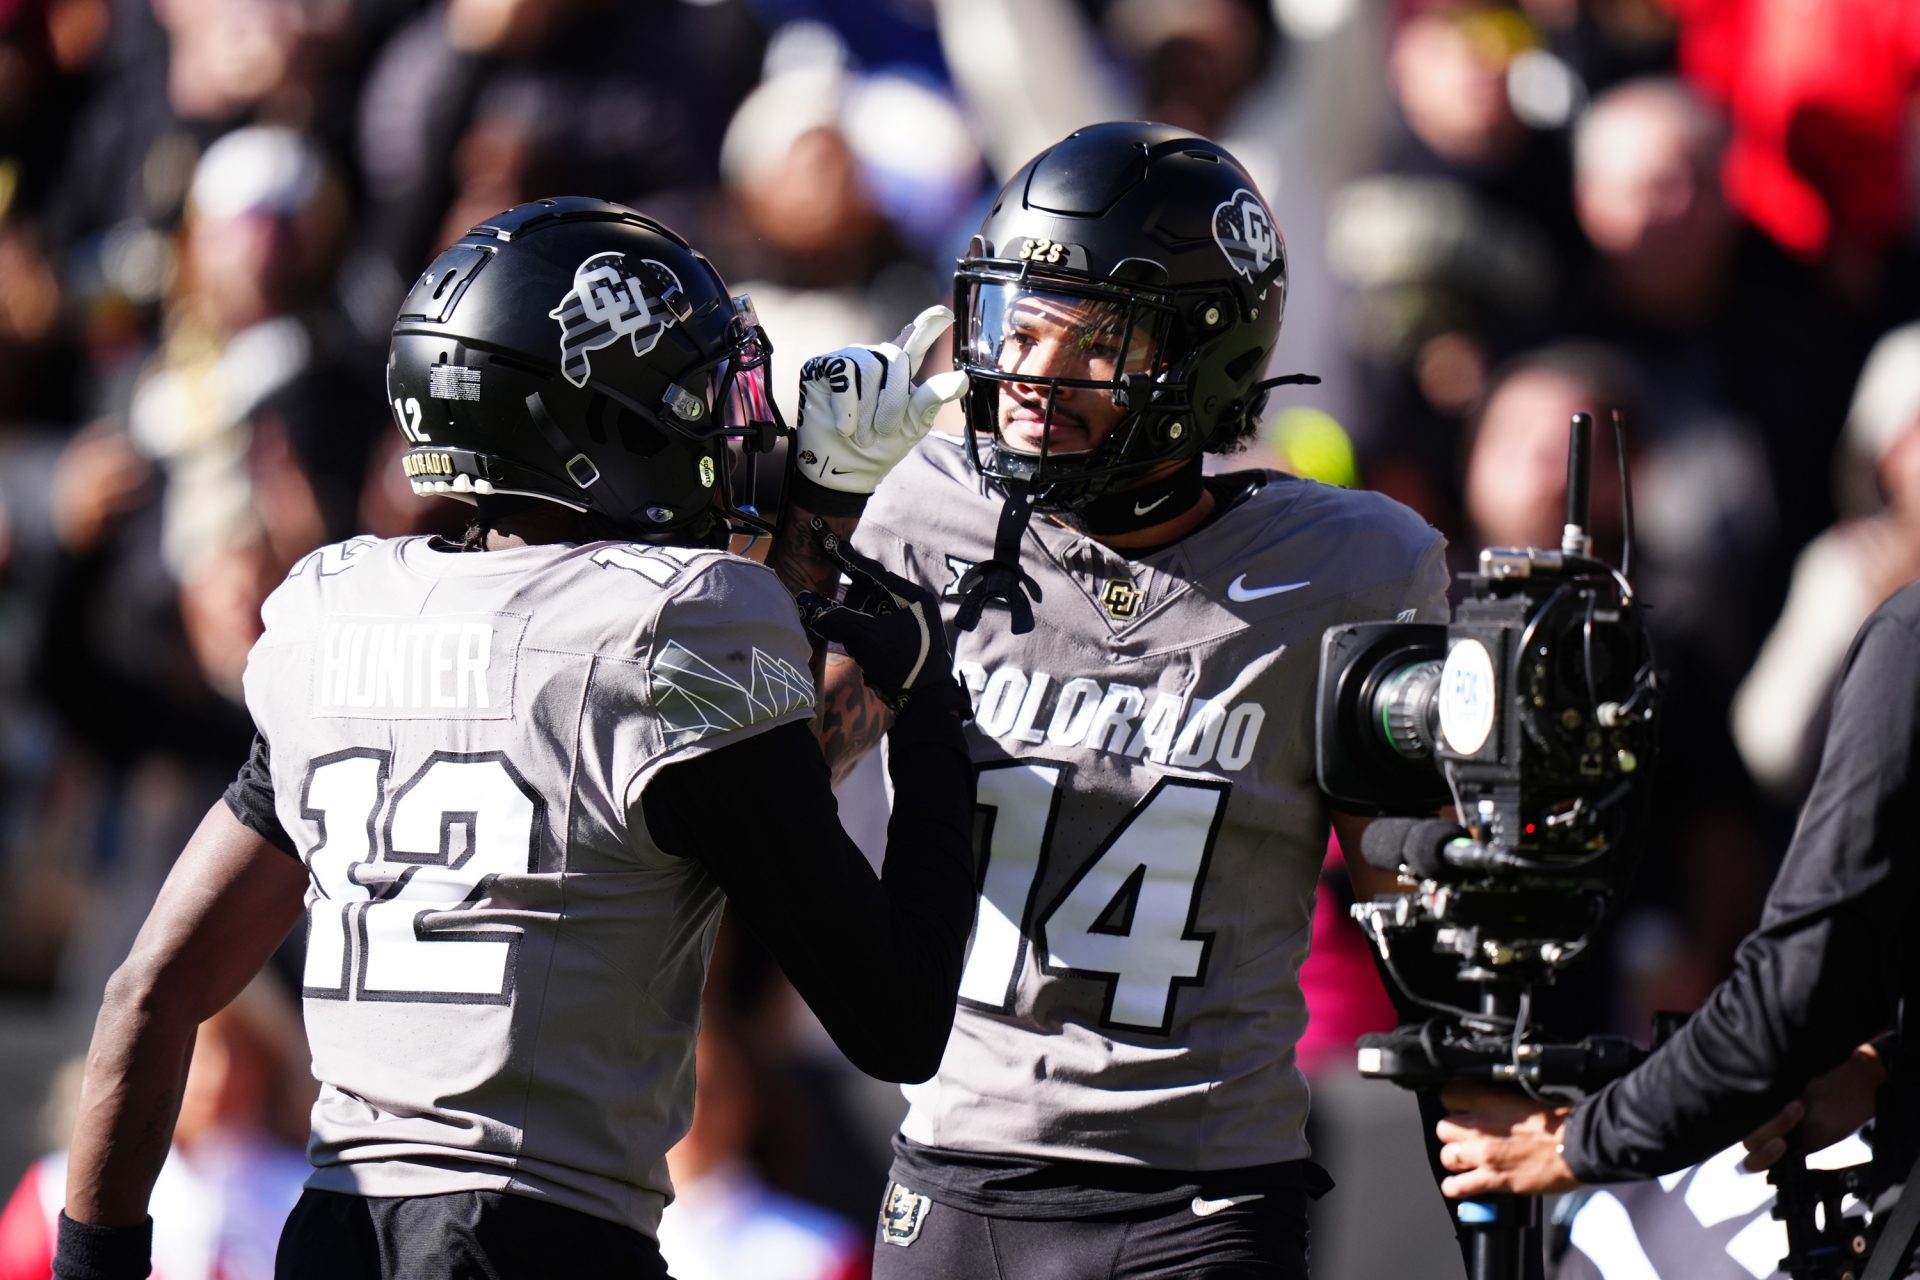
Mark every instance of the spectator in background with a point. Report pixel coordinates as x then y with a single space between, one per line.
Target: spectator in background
45 49
1452 248
1516 468
1602 42
1779 712
838 186
237 1164
170 79
1698 885
1745 369
1033 69
256 380
1822 124
725 1220
242 447
475 105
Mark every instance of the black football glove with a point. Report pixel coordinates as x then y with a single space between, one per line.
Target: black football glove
888 625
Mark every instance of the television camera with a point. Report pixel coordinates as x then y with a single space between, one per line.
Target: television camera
1534 714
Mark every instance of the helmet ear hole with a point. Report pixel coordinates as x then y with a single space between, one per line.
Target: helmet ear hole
608 420
595 418
1245 363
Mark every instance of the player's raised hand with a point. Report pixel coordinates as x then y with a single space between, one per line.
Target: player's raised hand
861 410
888 625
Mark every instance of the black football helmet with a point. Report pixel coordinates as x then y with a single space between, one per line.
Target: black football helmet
581 353
1142 258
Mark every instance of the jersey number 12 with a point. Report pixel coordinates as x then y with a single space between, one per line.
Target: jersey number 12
393 873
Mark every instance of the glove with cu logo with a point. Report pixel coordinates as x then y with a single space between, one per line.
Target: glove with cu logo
861 410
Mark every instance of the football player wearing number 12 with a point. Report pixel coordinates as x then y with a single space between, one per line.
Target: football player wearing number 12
1119 1097
503 783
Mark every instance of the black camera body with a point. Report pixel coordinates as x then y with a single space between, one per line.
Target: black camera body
1533 712
1533 717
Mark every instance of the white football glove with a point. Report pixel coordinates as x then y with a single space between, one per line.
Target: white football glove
860 410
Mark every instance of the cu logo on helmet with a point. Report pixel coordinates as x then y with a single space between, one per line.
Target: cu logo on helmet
612 297
608 302
1244 230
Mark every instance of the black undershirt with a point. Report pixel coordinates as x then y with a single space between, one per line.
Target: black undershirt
1229 490
877 958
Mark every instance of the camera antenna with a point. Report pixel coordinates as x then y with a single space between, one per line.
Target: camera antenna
1626 497
1574 539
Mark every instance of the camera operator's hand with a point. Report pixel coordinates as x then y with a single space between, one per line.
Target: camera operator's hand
861 410
891 627
1833 1106
1497 1141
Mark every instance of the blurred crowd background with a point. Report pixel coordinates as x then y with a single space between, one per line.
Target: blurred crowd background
1699 212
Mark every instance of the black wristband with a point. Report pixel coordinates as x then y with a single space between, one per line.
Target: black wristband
90 1252
822 501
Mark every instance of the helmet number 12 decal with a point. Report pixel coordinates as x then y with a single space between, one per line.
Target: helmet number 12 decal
407 411
1125 918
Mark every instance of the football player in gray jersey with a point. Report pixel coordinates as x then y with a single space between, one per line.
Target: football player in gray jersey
508 785
1119 1097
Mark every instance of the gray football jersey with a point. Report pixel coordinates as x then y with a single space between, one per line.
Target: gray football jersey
503 978
1150 828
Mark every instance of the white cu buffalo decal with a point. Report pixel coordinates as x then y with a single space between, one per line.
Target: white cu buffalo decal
1244 230
609 302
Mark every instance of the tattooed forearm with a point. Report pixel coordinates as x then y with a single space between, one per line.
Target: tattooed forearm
796 555
800 563
850 719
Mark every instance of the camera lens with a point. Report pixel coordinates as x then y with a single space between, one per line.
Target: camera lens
1404 705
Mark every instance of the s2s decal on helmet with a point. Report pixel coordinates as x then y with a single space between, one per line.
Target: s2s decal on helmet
1244 230
609 301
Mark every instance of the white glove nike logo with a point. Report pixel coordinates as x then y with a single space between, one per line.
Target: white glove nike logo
1240 593
1207 1208
1140 510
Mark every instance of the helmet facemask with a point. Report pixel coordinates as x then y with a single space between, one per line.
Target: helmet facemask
1078 388
728 400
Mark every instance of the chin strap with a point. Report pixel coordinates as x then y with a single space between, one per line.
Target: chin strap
1001 578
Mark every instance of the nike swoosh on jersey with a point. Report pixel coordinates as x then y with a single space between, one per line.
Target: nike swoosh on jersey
1239 592
1207 1208
1140 510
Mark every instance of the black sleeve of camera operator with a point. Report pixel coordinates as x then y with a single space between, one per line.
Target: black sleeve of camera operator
1833 953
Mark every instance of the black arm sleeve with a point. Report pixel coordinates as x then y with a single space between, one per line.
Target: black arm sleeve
1832 953
250 797
877 958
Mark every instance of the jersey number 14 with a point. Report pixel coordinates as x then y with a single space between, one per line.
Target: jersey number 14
1126 918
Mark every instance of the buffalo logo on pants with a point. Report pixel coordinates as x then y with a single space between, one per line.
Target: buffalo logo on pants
902 1216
